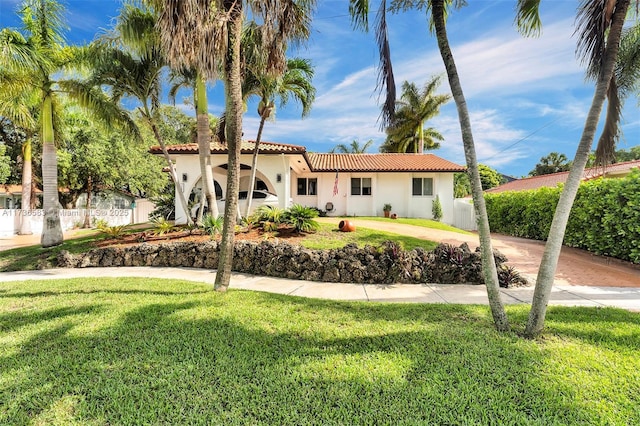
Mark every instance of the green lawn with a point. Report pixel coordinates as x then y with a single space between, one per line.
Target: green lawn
150 351
328 236
425 223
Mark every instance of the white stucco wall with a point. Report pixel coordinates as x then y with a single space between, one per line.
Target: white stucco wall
391 188
269 167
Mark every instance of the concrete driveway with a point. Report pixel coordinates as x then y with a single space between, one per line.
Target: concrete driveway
575 267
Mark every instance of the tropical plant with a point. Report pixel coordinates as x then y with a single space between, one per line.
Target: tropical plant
461 185
207 36
406 132
359 10
164 204
32 62
600 26
302 218
386 208
212 225
22 110
294 82
553 163
128 60
489 177
161 225
115 231
190 77
353 148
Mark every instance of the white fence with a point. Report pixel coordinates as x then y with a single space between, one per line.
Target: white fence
11 219
464 216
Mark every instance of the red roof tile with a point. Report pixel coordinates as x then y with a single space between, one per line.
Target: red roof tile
14 189
383 162
247 148
553 179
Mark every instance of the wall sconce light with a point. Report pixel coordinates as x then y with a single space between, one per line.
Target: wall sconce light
278 178
185 177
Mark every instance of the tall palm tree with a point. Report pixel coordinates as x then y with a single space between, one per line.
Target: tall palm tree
624 82
35 59
414 107
22 111
129 61
600 26
190 78
438 13
353 148
207 36
294 82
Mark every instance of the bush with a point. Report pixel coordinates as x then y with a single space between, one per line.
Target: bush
301 218
436 209
605 218
161 225
211 225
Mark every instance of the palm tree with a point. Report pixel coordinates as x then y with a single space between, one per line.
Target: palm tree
625 81
438 13
553 163
21 110
599 30
407 132
191 78
34 61
207 36
353 148
129 62
295 82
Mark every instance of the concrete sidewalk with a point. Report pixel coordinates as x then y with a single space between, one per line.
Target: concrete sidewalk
562 295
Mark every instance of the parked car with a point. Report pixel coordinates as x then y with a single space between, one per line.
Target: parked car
260 198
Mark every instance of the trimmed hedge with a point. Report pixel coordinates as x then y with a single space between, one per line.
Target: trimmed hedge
605 218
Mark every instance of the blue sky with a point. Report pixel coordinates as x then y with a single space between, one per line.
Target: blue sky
526 96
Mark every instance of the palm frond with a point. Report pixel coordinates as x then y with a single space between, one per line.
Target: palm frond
528 17
592 22
386 81
605 150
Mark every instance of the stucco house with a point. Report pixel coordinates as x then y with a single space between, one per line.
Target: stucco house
552 180
341 184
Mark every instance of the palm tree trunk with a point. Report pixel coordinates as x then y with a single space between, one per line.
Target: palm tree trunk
87 206
25 224
254 164
489 271
233 96
172 171
549 262
51 228
204 150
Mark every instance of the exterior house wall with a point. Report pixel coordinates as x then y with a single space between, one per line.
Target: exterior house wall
391 188
269 167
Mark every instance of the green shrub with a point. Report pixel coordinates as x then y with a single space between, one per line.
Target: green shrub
301 218
117 231
161 225
211 225
605 218
436 209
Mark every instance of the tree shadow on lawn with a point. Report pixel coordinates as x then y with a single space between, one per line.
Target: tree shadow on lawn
251 358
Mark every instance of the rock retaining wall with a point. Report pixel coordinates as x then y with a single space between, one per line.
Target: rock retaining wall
386 264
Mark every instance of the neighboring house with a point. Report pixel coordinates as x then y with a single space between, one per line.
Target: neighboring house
552 180
11 196
341 184
106 199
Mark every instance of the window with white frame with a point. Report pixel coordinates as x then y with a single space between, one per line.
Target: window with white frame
422 187
307 186
360 186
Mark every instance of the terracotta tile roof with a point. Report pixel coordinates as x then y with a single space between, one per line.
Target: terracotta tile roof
381 163
247 148
553 179
14 189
